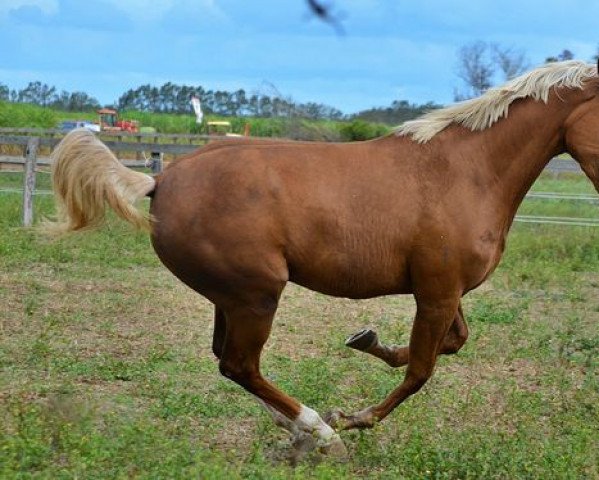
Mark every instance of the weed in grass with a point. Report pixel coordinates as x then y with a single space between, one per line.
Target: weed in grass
584 351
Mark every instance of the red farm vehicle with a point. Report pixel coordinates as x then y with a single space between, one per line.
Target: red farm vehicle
110 122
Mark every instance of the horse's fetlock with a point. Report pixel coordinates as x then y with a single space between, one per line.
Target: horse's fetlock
227 370
417 381
217 350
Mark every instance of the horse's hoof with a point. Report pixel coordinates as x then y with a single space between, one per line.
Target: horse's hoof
303 442
301 445
341 421
332 418
362 340
335 449
363 419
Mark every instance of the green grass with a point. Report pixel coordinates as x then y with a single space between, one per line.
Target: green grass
14 180
18 115
106 369
563 183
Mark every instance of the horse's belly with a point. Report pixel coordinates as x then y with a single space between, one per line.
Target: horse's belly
351 281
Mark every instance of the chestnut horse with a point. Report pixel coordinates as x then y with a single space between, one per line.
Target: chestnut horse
424 211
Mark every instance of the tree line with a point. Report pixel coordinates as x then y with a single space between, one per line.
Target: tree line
174 98
38 93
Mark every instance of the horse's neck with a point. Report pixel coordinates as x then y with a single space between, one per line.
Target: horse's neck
517 148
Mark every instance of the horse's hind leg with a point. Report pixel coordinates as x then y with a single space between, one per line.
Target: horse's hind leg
247 329
397 356
220 328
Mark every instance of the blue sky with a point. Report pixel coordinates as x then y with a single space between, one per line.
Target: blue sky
392 49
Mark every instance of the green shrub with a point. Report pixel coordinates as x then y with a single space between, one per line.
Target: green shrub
361 130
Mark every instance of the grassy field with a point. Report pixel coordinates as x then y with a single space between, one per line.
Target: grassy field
106 369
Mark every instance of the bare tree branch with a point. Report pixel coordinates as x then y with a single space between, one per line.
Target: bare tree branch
511 62
475 69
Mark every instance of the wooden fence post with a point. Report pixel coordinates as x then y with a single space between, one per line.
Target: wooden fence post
29 182
156 162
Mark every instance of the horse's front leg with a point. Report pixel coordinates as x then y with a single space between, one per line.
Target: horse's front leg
366 340
434 318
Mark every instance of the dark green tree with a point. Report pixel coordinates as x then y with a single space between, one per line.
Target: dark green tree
560 57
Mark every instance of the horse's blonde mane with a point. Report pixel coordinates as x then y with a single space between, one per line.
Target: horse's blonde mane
482 112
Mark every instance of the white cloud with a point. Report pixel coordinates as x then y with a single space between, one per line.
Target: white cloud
140 11
48 7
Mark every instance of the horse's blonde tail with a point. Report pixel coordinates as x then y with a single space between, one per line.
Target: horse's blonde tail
86 176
